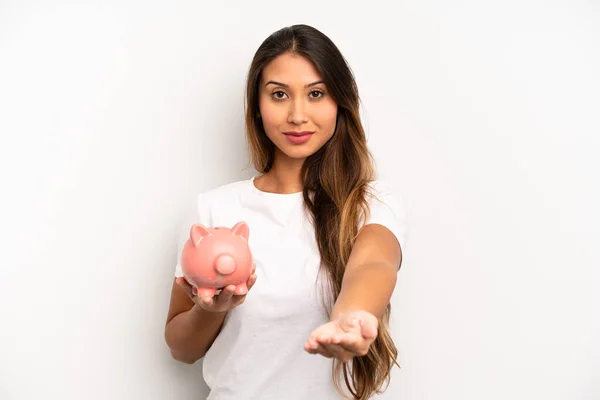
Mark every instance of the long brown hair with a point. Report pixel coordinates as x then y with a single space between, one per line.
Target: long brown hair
336 184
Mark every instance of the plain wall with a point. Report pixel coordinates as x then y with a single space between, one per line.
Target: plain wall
113 115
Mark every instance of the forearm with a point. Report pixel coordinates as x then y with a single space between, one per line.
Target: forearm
368 288
190 334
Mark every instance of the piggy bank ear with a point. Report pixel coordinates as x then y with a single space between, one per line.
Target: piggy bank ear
197 232
241 229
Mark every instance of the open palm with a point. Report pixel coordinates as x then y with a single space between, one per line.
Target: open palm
349 335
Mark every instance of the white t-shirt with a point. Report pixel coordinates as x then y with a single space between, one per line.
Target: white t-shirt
259 353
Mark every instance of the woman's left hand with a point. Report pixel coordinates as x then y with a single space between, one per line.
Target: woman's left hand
349 335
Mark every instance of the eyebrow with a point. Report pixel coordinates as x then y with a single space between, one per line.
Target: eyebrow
287 86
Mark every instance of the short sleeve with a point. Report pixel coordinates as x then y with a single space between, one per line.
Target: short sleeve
387 208
199 214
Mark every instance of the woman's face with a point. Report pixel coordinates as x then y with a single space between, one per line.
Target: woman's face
294 101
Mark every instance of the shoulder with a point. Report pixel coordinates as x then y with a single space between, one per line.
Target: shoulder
218 199
387 208
223 192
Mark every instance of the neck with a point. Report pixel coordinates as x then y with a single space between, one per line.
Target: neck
285 176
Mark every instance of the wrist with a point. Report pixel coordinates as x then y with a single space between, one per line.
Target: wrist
336 314
349 312
200 312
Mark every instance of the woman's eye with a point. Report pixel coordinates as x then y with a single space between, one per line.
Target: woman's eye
315 94
278 95
281 95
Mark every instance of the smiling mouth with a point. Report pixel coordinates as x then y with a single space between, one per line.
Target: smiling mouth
298 134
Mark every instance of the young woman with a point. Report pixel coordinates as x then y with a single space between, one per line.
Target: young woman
325 234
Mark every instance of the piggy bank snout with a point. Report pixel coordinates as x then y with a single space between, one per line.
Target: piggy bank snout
225 264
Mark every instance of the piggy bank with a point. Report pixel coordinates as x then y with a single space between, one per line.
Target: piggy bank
213 258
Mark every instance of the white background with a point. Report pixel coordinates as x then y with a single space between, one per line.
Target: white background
485 115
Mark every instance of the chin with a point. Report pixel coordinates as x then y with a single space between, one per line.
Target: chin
298 152
298 155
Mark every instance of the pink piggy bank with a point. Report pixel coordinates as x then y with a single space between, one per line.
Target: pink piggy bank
213 258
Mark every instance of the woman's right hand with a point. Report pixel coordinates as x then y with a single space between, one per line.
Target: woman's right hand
221 302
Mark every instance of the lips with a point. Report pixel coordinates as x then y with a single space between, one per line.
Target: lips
298 137
298 134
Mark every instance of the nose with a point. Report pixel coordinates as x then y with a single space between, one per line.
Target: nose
225 264
297 114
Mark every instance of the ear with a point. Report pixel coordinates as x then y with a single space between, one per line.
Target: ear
241 229
197 232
